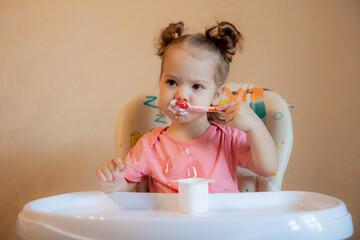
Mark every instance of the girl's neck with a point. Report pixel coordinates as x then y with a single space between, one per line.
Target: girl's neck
188 131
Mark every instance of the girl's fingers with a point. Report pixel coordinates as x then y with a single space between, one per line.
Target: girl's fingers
117 176
100 176
221 107
226 105
110 170
230 110
107 173
118 162
229 117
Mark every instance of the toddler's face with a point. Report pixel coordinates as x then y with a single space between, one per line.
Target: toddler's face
188 74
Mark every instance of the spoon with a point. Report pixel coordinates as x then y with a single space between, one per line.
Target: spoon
183 107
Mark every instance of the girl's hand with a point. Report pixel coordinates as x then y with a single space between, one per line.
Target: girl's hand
239 115
110 175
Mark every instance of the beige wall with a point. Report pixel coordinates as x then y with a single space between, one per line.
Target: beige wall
67 67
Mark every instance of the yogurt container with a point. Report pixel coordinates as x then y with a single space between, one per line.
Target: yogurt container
193 194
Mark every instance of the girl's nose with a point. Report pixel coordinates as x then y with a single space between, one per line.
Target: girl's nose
181 93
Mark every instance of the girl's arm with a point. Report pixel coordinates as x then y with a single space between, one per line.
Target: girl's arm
263 159
110 175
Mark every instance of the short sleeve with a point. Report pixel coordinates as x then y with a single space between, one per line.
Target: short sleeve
240 147
137 170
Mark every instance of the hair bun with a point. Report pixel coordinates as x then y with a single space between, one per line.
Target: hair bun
173 31
226 37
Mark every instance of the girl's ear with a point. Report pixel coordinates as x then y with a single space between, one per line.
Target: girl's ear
218 95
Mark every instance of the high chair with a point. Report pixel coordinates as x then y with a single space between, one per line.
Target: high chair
141 114
267 214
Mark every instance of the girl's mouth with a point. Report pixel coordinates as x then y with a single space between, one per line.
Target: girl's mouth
178 107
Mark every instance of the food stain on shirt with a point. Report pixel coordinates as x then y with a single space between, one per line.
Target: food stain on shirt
194 170
167 166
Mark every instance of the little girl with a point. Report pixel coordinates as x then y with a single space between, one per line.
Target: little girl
193 69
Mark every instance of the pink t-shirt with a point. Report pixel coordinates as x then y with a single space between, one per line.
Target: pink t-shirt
214 155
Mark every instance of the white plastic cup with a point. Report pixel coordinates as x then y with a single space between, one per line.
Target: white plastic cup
193 194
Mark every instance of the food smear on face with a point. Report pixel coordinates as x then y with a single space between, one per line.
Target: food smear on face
182 104
176 108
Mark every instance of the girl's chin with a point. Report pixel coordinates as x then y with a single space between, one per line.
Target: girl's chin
185 118
179 117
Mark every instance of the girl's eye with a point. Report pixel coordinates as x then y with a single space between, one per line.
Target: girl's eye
197 87
171 82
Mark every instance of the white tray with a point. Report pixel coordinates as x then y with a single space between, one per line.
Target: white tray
261 215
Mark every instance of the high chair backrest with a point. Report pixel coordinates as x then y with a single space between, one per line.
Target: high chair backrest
141 114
